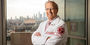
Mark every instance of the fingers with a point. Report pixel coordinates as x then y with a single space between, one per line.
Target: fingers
37 34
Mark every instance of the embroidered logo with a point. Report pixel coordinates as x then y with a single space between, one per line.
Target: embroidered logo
61 30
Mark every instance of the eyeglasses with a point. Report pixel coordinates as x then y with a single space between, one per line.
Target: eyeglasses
50 8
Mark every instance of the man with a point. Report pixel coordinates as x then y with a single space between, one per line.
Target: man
51 31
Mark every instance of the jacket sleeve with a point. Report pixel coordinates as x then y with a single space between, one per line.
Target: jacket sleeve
34 38
59 36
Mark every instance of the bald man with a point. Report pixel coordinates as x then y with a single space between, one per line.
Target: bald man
51 31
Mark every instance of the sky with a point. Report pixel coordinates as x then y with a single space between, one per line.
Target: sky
17 8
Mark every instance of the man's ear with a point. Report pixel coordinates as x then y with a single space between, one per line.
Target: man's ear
57 11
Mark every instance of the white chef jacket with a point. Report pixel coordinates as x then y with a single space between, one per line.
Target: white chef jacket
52 31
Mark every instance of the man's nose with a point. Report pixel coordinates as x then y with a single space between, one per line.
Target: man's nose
50 10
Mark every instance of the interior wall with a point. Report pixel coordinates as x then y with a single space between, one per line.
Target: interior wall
0 24
3 22
4 31
88 22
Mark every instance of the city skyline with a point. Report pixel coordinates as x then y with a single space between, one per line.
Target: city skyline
37 16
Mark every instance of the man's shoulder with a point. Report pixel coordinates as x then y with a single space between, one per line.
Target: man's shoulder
61 21
58 20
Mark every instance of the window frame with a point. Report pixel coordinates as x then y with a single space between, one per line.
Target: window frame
3 22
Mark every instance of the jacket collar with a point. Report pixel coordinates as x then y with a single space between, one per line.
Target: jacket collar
54 21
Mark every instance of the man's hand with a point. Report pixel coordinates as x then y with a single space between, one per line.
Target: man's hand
37 34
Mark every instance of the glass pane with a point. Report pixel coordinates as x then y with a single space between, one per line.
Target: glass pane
24 16
75 16
76 42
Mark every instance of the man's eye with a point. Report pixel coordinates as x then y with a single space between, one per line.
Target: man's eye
49 8
46 9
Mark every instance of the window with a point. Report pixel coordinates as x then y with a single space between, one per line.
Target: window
24 16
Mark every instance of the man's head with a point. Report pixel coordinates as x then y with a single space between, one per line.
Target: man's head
51 9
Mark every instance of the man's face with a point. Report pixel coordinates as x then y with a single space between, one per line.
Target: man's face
51 11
